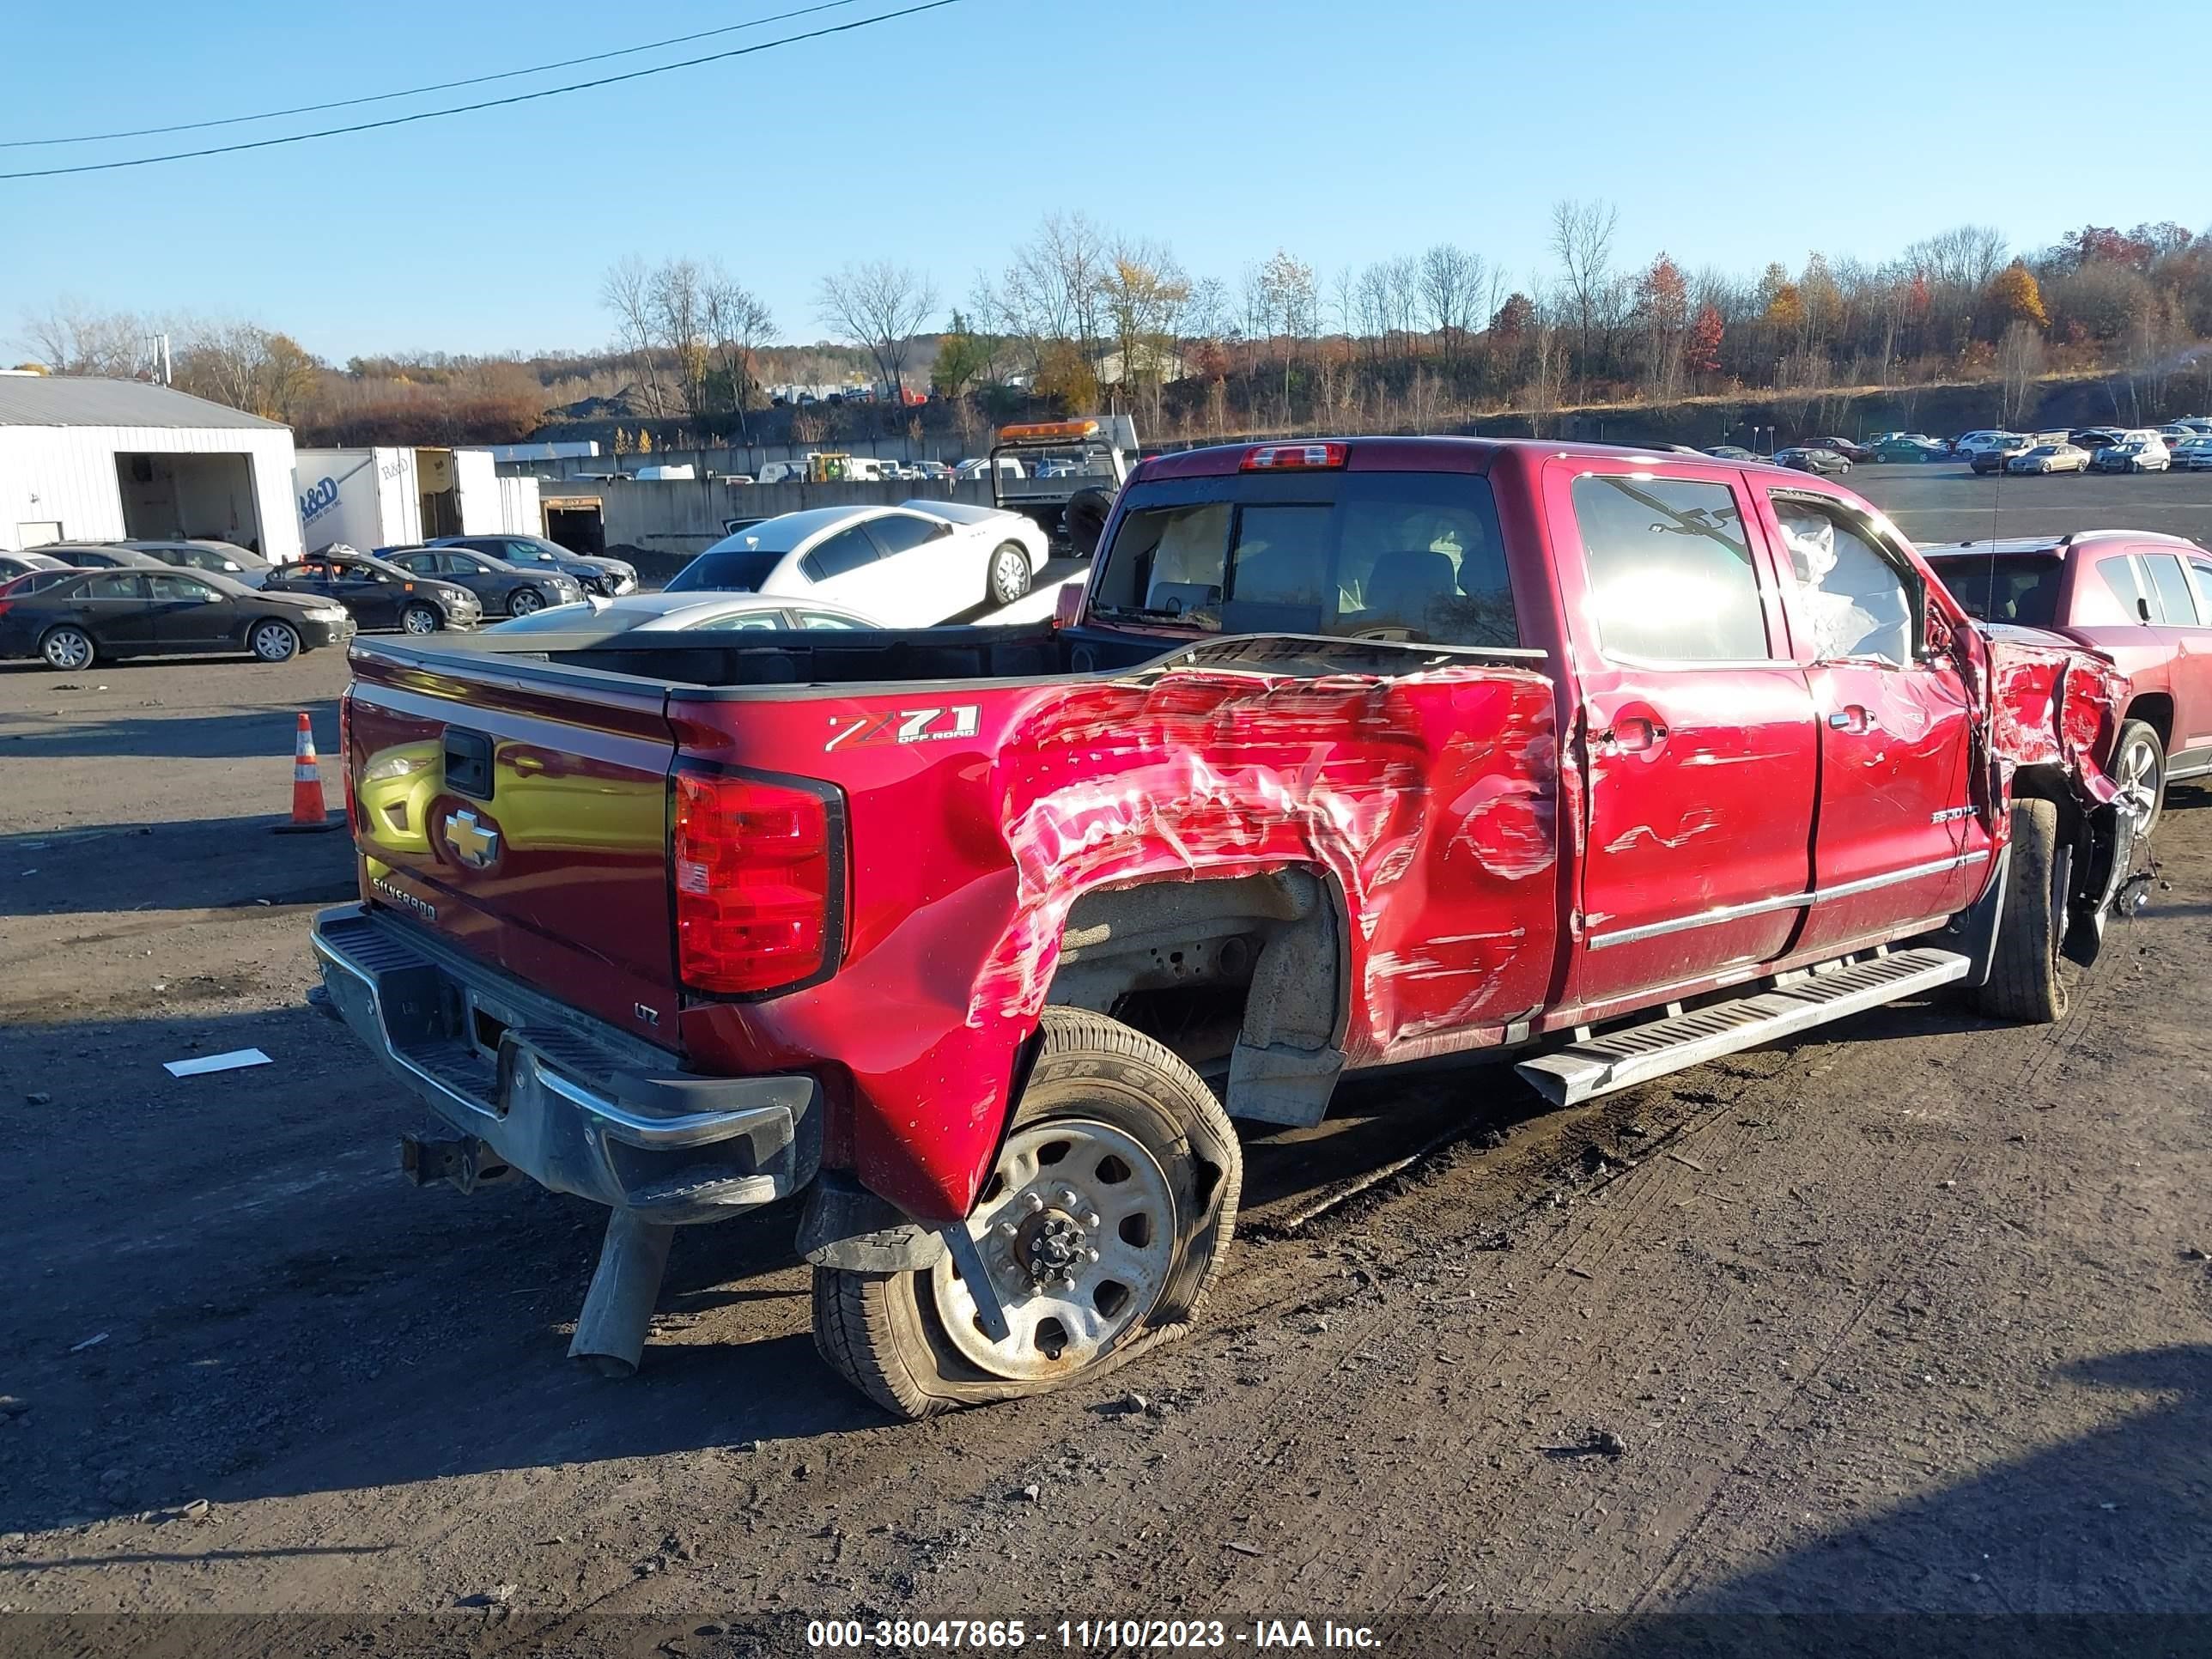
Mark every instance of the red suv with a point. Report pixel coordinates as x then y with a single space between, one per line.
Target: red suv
2143 599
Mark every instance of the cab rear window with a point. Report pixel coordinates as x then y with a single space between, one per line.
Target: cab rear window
1410 556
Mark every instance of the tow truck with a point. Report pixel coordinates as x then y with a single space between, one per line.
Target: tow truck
1060 462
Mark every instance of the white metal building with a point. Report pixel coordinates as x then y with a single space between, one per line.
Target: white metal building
86 461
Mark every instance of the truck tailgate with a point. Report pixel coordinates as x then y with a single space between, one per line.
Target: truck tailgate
521 812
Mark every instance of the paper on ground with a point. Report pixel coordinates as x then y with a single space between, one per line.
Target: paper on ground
232 1061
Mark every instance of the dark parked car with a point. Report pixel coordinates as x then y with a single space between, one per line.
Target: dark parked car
1806 459
72 621
220 558
34 581
1731 452
101 555
599 575
1996 456
380 594
504 589
1842 446
17 564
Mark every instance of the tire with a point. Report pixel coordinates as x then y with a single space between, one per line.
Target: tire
2026 977
271 641
67 649
1104 1096
2139 768
1010 573
525 601
420 619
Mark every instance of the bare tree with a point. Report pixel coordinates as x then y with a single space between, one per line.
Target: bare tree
675 303
248 368
880 305
70 337
627 290
738 325
1144 292
1582 240
2020 359
1050 295
1452 287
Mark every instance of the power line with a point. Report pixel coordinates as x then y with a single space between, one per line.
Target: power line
489 103
440 85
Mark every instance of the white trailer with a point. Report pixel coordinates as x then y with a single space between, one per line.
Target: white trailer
393 497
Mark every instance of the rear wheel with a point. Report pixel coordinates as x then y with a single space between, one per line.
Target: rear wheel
1010 573
1099 1231
2139 768
524 601
67 648
2026 978
419 619
274 642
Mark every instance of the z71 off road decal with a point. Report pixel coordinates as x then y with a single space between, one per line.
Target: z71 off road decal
907 725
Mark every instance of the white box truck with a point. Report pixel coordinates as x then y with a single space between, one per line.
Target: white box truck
393 497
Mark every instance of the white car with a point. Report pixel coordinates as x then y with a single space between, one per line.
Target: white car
690 612
912 566
1971 444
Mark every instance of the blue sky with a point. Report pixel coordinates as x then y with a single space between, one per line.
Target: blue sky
1342 131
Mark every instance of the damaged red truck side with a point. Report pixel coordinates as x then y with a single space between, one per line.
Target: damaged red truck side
1352 753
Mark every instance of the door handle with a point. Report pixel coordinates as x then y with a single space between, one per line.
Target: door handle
1855 718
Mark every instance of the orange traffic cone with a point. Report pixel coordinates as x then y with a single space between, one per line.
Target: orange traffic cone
309 810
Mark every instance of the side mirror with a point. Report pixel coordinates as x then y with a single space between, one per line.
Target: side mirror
1067 609
1939 638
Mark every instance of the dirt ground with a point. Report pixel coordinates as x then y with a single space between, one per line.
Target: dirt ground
1911 1317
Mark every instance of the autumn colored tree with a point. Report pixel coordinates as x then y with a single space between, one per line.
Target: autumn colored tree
961 356
1662 301
2017 297
1786 310
1515 319
1702 356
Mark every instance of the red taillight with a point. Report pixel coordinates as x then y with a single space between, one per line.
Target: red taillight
756 868
1283 457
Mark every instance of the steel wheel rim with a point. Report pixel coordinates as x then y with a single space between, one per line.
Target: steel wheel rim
272 642
69 650
2138 777
419 621
1120 1196
1007 574
525 602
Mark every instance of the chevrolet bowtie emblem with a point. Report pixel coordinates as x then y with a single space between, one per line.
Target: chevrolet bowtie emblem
472 844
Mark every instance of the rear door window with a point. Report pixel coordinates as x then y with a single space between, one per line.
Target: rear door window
2176 605
898 533
179 587
119 586
1670 569
1404 556
1857 603
2119 575
846 550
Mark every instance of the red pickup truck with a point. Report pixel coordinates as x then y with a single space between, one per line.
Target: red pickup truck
1348 754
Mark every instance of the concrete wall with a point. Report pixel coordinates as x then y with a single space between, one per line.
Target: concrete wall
748 458
681 517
